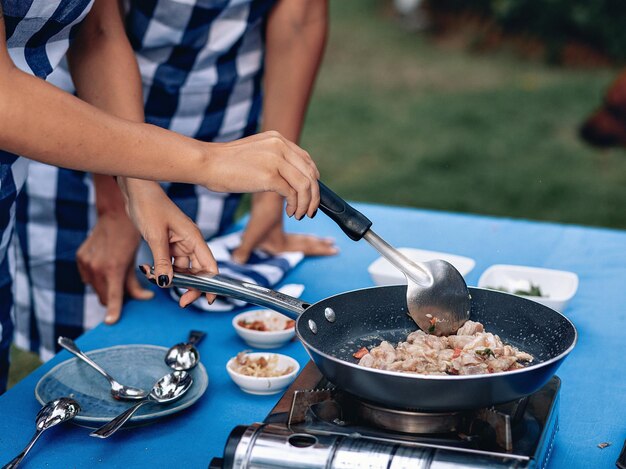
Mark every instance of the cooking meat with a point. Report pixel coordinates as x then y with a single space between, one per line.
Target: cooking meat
471 351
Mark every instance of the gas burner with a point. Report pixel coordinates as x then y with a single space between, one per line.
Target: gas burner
323 427
407 421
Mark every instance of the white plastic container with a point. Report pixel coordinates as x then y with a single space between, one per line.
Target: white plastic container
557 287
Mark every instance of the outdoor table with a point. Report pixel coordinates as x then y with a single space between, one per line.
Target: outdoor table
593 392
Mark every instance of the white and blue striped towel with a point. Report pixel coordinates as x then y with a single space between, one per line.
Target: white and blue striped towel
261 269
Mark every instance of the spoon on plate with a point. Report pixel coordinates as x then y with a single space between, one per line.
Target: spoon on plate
118 391
169 388
184 356
51 414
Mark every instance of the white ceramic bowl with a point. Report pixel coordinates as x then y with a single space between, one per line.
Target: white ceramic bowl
557 286
383 273
265 386
264 339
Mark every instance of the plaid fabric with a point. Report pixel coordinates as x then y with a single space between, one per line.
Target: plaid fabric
201 64
38 33
49 295
261 269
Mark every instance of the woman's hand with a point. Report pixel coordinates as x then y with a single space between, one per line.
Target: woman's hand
169 233
265 231
106 261
266 162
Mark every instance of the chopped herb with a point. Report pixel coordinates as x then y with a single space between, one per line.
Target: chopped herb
485 352
431 329
534 290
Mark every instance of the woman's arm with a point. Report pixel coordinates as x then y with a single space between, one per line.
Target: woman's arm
296 36
295 40
49 125
105 74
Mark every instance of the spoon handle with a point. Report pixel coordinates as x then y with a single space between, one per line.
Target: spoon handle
114 425
18 459
70 346
352 222
195 337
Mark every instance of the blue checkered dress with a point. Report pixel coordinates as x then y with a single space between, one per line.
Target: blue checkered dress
38 34
201 64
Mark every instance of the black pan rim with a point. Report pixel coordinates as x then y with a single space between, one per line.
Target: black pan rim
423 377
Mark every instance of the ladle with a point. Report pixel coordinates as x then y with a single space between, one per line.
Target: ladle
437 296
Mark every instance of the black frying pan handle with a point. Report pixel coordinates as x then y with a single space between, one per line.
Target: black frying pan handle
351 221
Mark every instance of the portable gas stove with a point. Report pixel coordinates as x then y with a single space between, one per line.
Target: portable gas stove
315 425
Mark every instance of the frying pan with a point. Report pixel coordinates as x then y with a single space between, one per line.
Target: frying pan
333 329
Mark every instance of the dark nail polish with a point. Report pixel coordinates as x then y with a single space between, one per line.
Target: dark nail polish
164 280
314 213
150 279
143 269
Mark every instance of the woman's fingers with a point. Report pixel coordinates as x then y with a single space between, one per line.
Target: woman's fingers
302 186
159 245
304 182
204 261
283 187
306 163
135 290
198 258
181 262
189 297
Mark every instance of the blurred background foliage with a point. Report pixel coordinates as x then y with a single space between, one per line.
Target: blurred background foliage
597 25
423 119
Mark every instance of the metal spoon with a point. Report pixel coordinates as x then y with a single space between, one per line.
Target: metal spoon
118 391
184 356
169 388
437 297
53 413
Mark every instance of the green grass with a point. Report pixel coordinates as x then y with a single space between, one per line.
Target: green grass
22 363
397 118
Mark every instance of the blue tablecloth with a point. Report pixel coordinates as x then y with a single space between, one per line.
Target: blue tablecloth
593 393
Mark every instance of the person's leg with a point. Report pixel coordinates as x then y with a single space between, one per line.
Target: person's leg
55 214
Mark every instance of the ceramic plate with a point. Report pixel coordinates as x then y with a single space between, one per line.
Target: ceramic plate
133 365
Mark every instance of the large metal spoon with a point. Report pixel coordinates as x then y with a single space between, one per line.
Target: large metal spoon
53 413
118 391
184 356
169 388
437 296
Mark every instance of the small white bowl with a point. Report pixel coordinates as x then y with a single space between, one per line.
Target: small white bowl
557 286
383 273
264 339
265 386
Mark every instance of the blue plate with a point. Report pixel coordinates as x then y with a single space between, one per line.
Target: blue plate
132 365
